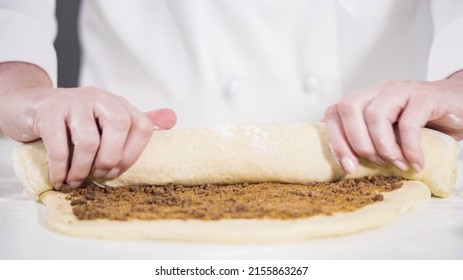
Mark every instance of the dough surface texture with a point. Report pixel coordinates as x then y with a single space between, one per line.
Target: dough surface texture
59 217
291 153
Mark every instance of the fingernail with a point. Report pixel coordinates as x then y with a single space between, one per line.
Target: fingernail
155 127
99 173
57 186
417 167
113 173
74 184
348 165
400 165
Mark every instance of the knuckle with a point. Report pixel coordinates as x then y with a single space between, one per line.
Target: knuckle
406 124
145 127
120 119
346 107
107 162
90 143
372 115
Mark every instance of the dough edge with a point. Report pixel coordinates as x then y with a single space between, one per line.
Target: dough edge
59 218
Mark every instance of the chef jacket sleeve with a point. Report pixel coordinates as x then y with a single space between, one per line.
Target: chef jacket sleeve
27 31
446 55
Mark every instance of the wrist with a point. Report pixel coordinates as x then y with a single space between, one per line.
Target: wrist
20 85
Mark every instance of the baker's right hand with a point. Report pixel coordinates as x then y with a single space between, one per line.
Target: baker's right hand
86 131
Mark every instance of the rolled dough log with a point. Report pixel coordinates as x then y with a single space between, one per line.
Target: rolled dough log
291 153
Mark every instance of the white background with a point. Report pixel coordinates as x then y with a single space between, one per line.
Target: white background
433 231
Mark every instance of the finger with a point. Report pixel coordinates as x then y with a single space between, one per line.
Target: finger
414 117
449 124
162 118
114 122
380 115
54 135
351 113
338 143
86 140
140 134
138 137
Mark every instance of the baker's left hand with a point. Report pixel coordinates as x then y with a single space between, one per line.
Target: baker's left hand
363 124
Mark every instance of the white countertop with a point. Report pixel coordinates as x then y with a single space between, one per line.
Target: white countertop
432 231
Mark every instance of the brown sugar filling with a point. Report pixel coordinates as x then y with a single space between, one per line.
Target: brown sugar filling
239 201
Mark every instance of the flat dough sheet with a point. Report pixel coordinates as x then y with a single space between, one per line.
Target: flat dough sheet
59 217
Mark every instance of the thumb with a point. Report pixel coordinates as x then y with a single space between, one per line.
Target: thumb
449 124
162 118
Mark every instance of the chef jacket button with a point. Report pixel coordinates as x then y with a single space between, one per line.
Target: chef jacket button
311 84
234 88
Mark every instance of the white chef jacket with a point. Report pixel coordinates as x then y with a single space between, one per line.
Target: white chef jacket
243 61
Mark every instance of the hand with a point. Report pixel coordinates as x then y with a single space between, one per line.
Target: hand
365 123
85 130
